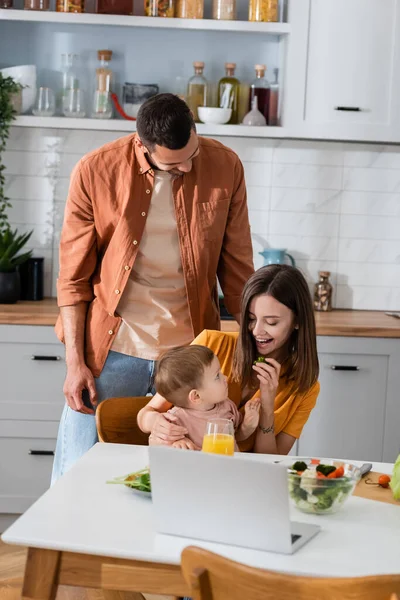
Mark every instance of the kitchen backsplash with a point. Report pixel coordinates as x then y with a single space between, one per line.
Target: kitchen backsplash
334 206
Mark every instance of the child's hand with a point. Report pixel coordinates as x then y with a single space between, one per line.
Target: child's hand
252 413
184 444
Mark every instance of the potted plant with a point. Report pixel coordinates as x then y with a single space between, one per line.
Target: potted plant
11 243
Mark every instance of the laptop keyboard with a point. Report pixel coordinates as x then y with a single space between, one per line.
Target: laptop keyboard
295 537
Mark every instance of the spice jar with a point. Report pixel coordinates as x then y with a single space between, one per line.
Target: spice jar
323 293
36 5
264 10
189 9
224 10
159 8
71 6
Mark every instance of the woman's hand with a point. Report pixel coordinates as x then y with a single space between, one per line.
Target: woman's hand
268 376
166 430
185 444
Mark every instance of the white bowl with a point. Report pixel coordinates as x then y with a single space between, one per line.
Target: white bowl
26 76
214 116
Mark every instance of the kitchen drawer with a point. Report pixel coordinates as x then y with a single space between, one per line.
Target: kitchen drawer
349 418
32 376
26 471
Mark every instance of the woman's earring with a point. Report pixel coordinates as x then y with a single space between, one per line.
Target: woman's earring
296 326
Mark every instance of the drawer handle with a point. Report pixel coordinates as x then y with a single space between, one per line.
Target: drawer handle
41 452
344 368
348 108
41 357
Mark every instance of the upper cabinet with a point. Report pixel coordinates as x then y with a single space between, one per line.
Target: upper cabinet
348 73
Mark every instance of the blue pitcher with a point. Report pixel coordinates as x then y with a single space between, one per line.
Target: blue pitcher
276 256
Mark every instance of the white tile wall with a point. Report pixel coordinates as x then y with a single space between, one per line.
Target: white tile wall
334 206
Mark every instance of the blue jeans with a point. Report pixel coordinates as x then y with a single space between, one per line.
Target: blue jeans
121 376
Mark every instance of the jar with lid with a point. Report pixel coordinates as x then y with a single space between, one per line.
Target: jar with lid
260 89
323 292
264 10
228 92
36 5
197 90
70 6
189 9
224 10
102 106
159 8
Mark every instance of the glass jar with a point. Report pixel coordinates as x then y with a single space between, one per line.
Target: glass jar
228 92
70 6
36 5
189 9
6 3
224 10
102 105
323 293
197 90
260 88
159 8
264 10
273 111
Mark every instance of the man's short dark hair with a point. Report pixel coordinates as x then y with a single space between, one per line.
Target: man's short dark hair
165 120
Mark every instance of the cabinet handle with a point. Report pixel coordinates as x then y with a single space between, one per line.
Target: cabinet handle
41 452
344 368
41 357
348 108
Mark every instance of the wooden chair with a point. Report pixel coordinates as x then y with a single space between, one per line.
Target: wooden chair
116 421
212 577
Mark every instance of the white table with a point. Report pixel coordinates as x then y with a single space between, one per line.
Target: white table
86 533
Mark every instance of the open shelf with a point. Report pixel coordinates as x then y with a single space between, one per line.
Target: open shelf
276 29
130 126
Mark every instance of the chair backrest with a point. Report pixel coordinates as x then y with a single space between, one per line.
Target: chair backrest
212 577
116 421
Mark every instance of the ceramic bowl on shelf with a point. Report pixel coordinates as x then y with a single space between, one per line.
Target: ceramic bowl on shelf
26 76
214 116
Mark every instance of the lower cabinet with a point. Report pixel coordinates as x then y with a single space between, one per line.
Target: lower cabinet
359 400
32 372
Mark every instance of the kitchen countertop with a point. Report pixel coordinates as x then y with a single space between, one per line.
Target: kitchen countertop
352 323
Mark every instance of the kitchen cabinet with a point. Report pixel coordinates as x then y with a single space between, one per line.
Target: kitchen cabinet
358 402
352 75
32 371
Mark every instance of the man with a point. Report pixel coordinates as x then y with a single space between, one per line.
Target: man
151 221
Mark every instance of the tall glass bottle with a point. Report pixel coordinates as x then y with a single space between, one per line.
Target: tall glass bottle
260 88
228 92
197 90
273 113
102 106
69 75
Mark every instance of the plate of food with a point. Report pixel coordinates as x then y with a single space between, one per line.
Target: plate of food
321 486
138 482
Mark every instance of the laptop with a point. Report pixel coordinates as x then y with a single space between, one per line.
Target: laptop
224 499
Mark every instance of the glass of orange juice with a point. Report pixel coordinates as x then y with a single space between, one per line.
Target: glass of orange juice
219 437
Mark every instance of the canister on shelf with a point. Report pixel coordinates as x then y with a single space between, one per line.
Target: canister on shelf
264 10
224 10
70 6
189 9
159 8
36 5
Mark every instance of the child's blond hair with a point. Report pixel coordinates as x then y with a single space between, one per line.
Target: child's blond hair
181 370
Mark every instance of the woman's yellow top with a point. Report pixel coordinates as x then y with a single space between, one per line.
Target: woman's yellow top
291 409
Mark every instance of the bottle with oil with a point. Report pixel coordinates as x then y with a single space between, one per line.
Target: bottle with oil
228 92
197 90
260 88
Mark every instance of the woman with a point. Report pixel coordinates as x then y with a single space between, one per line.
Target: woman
277 323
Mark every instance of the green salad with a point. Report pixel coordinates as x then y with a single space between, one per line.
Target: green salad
318 488
140 480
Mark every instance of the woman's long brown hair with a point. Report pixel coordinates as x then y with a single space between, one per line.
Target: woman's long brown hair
287 285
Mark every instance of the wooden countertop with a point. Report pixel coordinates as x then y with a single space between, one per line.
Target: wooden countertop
357 323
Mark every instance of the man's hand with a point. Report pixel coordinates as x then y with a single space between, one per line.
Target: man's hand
79 377
166 430
185 444
252 413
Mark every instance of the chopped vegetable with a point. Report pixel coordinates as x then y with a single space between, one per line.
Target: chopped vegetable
260 359
325 469
395 482
299 466
140 480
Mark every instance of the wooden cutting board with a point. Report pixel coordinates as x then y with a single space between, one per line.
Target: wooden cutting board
374 492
